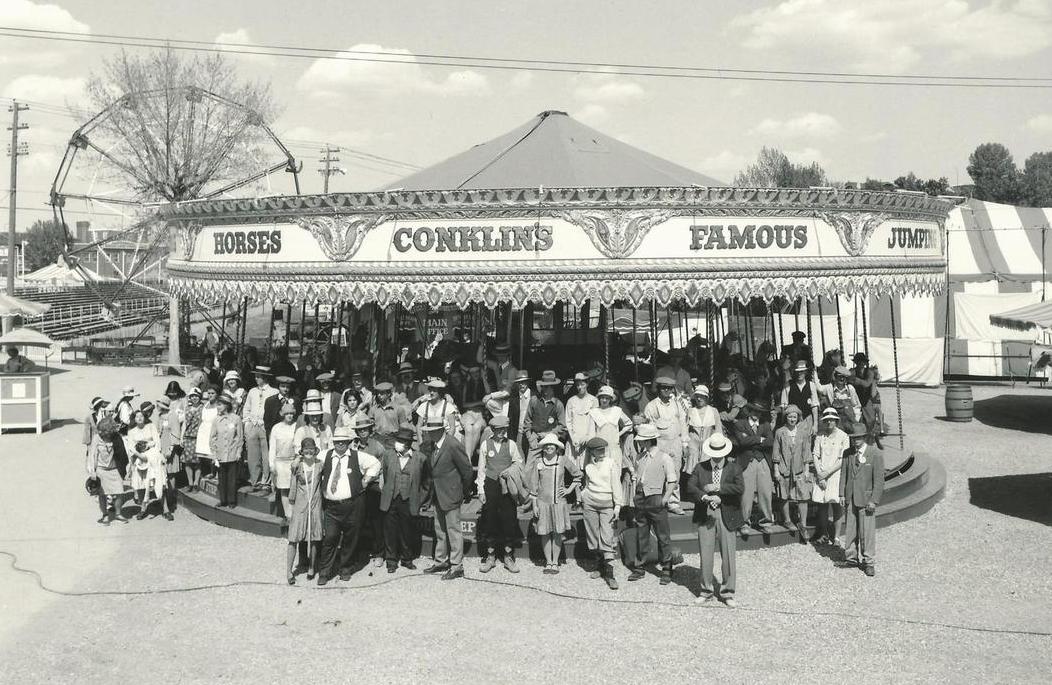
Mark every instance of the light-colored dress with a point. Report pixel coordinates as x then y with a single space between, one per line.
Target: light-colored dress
608 424
282 451
827 453
204 431
547 482
148 465
791 454
101 465
701 423
305 496
322 438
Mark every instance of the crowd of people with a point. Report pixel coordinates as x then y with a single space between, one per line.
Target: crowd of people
351 465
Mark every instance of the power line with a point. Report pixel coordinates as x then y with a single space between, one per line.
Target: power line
691 73
411 59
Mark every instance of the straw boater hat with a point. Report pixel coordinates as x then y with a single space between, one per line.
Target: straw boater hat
551 439
436 383
406 367
434 424
313 396
231 375
342 434
800 366
716 446
502 348
646 431
499 421
325 377
363 422
312 409
665 381
261 371
284 380
129 391
725 386
548 378
830 414
405 434
606 391
522 377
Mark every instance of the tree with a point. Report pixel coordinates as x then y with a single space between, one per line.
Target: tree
876 184
773 169
44 243
1037 180
932 186
995 174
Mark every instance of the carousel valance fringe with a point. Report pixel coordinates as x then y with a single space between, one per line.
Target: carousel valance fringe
636 292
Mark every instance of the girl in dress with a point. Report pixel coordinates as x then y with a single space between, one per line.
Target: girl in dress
103 466
702 421
841 396
828 457
191 428
610 423
232 386
169 428
282 451
148 475
792 458
305 525
208 415
551 512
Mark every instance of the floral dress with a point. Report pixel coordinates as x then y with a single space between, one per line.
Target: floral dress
547 479
191 427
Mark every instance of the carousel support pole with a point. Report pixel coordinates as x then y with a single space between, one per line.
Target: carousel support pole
653 335
303 316
174 317
507 334
222 324
865 329
242 308
604 315
821 325
810 340
668 317
796 316
288 323
781 331
522 335
314 335
840 328
710 331
895 362
635 344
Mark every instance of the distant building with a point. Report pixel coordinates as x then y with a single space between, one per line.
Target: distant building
116 258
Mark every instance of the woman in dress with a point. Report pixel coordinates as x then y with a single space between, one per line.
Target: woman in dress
282 446
610 423
791 453
828 456
305 525
350 409
702 421
232 386
546 476
191 429
315 428
204 433
104 469
841 396
169 428
148 476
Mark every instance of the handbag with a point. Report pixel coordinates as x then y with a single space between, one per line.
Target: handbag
91 486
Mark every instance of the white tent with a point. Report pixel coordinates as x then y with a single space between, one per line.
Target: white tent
60 275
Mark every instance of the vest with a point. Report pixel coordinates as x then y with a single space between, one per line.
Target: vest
472 393
543 415
800 397
497 458
403 484
353 472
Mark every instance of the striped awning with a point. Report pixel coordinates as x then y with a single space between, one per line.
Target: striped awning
1038 315
993 242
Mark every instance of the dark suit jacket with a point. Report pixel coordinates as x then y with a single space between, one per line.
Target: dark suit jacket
747 442
731 486
861 484
448 474
272 411
391 468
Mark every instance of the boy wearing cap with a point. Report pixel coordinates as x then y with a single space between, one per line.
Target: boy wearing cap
498 524
655 478
255 427
387 416
716 486
330 399
407 390
447 473
225 444
754 440
601 500
861 488
668 415
545 413
273 404
579 425
400 499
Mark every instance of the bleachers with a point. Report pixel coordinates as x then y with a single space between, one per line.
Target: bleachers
78 312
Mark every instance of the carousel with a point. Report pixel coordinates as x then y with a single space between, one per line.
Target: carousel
578 251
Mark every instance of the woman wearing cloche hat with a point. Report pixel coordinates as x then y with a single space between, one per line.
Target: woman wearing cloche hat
827 461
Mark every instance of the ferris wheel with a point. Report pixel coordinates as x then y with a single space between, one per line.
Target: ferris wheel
150 148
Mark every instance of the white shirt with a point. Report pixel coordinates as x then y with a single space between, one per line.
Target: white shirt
252 411
369 465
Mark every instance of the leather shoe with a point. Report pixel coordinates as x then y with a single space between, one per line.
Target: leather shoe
453 573
637 574
391 568
322 580
869 570
409 565
345 577
436 568
487 564
846 564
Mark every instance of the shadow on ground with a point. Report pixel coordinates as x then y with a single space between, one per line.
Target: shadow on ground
1027 496
1029 413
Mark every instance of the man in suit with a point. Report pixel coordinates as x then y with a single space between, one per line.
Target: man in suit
754 440
861 487
272 405
345 475
448 476
715 487
400 499
500 372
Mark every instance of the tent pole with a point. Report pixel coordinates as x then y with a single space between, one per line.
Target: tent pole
710 325
895 360
810 340
840 328
635 344
821 325
865 329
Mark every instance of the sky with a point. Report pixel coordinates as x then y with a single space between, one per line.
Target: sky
423 114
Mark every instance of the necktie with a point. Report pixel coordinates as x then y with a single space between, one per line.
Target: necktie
337 474
717 473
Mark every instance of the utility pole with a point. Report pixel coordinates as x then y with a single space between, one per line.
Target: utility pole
329 168
14 153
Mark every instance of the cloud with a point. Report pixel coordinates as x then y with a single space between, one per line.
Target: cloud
25 14
52 90
806 156
592 114
896 35
809 125
307 137
724 164
607 88
239 39
351 76
521 81
1042 123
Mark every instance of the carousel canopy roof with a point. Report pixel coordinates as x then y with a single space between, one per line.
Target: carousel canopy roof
552 150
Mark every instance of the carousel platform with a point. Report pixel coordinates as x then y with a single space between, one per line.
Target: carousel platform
915 482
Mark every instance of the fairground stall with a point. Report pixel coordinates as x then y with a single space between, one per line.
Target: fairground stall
577 250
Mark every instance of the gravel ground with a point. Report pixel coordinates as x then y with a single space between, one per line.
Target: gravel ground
205 604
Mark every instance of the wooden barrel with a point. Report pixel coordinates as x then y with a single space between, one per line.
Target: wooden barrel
959 402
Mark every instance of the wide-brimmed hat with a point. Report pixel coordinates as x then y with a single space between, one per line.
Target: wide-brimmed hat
313 395
858 430
342 434
313 409
842 371
502 348
129 391
363 422
260 370
231 375
286 380
308 442
548 378
325 377
701 391
792 409
596 443
551 439
97 403
436 383
405 434
164 403
646 431
800 366
666 381
499 421
406 367
606 391
830 414
434 424
716 446
522 377
383 387
725 386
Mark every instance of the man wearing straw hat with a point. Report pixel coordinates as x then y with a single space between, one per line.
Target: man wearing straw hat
545 413
256 448
669 416
345 475
448 474
715 487
654 480
579 425
861 488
